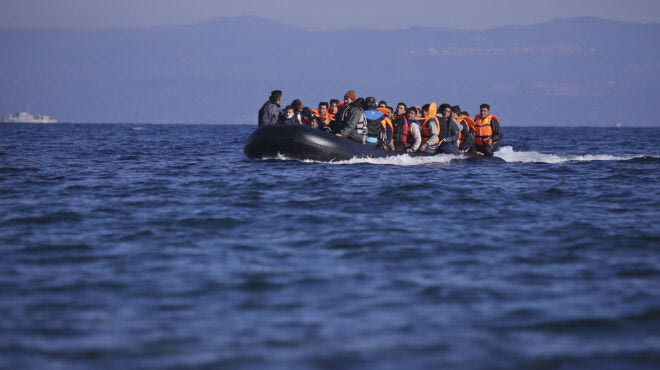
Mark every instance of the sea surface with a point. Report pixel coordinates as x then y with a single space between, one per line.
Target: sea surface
164 246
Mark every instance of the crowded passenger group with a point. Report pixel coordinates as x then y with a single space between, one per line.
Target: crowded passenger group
429 129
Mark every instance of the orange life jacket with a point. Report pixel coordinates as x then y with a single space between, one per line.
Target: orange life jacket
483 129
470 124
386 121
385 111
328 117
425 130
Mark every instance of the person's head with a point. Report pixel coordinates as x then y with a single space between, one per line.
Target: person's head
456 110
382 104
425 110
306 114
411 113
314 122
370 103
349 97
419 110
289 111
484 110
465 113
276 96
297 105
401 109
445 110
333 109
323 108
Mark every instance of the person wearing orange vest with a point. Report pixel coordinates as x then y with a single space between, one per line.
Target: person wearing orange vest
487 131
465 135
429 129
323 117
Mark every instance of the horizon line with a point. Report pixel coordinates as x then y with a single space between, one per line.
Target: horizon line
279 23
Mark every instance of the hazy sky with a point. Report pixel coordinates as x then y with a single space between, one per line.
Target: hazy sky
317 15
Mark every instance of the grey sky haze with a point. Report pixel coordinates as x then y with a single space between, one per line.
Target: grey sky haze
317 15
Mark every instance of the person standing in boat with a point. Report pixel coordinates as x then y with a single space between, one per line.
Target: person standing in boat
374 118
270 112
400 123
352 119
487 131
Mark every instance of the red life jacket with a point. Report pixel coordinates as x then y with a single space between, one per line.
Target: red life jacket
406 129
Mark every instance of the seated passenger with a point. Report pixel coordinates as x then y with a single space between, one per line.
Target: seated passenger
414 140
289 117
314 123
333 109
333 113
448 131
323 117
385 140
353 121
429 129
487 131
418 109
466 135
302 113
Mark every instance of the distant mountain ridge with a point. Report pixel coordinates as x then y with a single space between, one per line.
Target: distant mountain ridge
585 71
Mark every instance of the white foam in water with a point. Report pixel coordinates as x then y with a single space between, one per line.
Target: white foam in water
506 153
399 160
404 160
509 155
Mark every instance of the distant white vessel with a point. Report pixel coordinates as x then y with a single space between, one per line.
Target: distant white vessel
25 117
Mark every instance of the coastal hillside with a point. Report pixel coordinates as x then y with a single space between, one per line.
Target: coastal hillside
578 71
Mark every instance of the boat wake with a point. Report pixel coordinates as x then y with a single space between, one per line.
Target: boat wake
505 154
509 155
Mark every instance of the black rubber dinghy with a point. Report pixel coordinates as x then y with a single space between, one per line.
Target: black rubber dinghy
303 142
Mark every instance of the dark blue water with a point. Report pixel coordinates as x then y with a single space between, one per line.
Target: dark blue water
163 246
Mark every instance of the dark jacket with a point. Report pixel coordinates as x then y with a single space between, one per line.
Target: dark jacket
288 121
448 130
399 123
269 113
353 122
497 131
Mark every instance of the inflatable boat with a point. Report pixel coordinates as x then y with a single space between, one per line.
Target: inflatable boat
303 142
